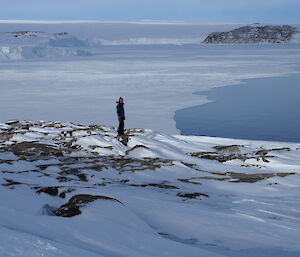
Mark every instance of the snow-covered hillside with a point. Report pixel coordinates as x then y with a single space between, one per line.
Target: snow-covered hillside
74 190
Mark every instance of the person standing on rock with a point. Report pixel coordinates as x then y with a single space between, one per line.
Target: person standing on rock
121 116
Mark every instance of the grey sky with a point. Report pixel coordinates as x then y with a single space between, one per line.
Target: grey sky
271 11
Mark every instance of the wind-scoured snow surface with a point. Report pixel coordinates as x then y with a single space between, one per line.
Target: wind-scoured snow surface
160 195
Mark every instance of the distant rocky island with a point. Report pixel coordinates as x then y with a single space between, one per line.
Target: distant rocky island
252 34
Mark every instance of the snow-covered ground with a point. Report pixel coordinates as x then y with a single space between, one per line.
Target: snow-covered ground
159 196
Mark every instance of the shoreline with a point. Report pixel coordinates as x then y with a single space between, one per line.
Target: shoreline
214 98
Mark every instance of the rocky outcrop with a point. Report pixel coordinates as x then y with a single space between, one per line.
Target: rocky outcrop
48 190
252 34
34 149
72 208
234 152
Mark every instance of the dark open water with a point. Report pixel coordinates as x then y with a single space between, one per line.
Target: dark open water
260 109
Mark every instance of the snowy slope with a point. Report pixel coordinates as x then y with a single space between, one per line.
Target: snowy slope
161 195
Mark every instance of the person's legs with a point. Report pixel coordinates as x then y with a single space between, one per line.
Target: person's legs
121 126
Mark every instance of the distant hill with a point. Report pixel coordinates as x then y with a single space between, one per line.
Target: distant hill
252 34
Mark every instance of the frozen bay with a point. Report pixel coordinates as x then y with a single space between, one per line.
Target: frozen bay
155 80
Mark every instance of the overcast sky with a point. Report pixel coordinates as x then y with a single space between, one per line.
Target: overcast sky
268 11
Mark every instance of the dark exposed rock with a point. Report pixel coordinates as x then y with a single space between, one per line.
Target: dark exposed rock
190 165
74 171
122 164
98 167
124 181
14 123
229 148
82 177
63 179
285 149
24 33
48 190
163 233
252 166
72 208
233 152
161 185
33 149
10 182
189 181
253 34
235 177
263 154
64 193
191 195
252 178
93 147
5 136
135 130
97 127
220 157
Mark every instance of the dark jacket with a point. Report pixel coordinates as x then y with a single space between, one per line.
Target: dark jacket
120 110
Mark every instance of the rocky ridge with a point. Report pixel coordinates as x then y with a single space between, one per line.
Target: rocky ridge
74 172
252 34
82 155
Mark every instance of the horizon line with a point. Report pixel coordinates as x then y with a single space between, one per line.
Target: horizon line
122 21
